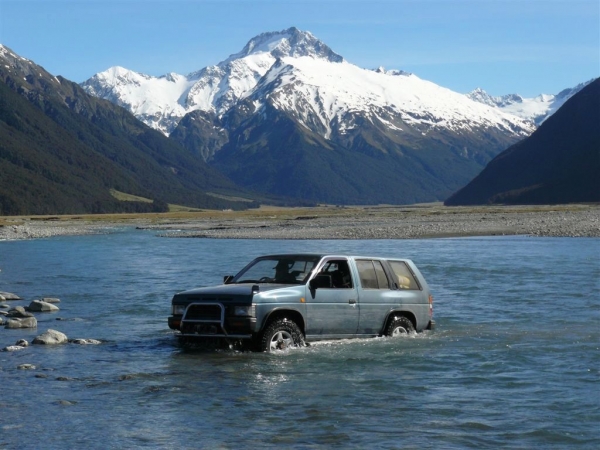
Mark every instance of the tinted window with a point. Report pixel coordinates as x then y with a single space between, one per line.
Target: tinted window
372 275
403 277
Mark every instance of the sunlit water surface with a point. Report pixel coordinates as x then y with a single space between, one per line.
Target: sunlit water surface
514 361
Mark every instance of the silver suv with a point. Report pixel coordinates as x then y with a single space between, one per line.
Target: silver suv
281 301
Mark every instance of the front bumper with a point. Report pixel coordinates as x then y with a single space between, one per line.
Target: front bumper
231 327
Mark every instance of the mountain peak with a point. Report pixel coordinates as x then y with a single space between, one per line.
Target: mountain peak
291 42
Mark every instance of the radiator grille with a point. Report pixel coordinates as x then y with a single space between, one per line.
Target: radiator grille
211 313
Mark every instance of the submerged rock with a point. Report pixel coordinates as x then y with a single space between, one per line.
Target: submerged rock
19 345
26 367
12 348
42 306
26 322
51 337
85 341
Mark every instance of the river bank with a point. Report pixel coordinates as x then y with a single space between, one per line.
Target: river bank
328 222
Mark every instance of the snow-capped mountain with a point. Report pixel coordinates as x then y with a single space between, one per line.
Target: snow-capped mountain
289 116
161 102
536 109
325 84
326 97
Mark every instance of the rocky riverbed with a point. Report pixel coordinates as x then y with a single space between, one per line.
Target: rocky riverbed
377 222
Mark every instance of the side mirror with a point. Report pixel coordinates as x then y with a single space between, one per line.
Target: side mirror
227 279
320 281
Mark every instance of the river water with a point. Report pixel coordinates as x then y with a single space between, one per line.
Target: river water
514 361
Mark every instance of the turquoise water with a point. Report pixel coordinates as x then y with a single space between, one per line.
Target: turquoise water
514 361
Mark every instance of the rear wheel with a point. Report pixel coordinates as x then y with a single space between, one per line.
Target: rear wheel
399 326
280 335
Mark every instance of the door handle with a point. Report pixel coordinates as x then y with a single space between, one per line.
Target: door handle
352 301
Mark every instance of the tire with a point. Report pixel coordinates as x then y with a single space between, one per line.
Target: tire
399 326
280 335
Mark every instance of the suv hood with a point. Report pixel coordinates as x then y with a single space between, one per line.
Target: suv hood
226 290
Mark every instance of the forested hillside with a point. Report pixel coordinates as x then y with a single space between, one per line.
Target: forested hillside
62 151
558 163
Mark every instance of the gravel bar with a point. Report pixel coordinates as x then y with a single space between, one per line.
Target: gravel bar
383 222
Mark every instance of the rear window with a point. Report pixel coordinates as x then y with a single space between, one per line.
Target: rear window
372 275
403 277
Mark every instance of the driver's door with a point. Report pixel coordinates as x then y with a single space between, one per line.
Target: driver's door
333 311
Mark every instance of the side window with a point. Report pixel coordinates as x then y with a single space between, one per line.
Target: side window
339 271
372 275
404 278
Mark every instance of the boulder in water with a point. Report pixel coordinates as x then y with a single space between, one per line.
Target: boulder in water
41 306
51 337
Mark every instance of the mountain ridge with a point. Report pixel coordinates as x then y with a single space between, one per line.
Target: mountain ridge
217 88
62 151
558 163
537 109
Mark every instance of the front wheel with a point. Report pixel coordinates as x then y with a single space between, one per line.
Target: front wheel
399 325
281 334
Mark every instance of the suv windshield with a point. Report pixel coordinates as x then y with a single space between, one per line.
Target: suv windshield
285 269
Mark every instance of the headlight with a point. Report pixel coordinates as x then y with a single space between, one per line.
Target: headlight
178 310
243 310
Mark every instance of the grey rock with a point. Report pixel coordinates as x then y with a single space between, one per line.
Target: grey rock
26 367
22 343
18 311
12 348
41 306
2 298
27 322
10 296
51 337
85 341
50 300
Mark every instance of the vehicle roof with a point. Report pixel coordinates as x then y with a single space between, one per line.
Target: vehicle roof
331 255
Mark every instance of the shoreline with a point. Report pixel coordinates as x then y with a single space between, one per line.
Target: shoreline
327 222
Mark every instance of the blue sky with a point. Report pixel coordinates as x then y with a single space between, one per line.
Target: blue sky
503 46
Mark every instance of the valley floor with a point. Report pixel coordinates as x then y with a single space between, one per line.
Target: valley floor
328 222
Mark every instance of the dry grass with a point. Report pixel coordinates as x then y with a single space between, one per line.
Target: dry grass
280 213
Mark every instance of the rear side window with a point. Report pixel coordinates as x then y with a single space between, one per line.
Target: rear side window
403 277
372 275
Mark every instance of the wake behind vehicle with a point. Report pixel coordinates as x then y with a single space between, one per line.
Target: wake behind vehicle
281 301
